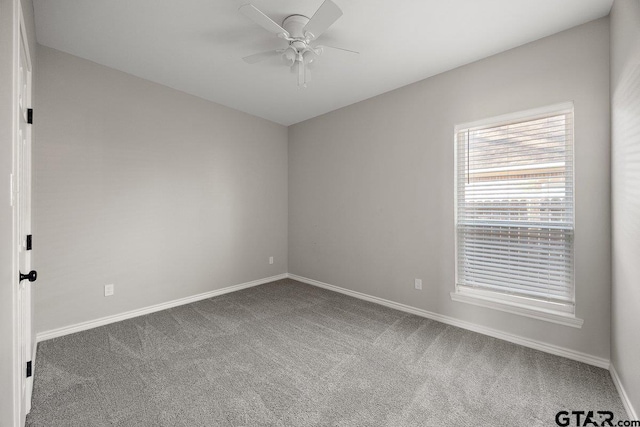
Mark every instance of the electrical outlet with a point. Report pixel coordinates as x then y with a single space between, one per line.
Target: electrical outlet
418 284
270 260
108 290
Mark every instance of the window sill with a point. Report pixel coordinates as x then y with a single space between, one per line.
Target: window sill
565 319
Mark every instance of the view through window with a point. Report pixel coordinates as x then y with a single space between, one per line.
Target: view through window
515 210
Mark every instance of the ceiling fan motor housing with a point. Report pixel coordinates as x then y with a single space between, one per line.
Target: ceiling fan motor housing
294 24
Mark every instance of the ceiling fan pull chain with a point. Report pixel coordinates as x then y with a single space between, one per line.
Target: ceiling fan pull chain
301 68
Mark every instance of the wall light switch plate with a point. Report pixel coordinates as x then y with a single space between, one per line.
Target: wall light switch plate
418 284
108 290
270 260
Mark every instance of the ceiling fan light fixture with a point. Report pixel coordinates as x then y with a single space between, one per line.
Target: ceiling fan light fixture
289 56
308 56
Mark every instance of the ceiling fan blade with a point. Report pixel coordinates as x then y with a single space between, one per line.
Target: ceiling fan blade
257 57
253 13
325 16
338 48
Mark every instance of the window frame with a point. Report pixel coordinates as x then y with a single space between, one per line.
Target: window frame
530 307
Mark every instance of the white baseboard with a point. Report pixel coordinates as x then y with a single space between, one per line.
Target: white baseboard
66 330
516 339
631 412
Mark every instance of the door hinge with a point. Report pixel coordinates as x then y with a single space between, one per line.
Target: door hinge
28 368
29 244
30 115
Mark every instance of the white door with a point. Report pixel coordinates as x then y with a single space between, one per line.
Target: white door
22 225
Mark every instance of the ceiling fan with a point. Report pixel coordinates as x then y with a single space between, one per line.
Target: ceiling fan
299 31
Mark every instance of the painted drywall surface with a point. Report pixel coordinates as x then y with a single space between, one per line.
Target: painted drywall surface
6 211
371 186
160 193
625 171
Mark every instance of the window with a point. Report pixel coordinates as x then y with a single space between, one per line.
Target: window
515 213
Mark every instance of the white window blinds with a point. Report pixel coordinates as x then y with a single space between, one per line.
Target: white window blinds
515 209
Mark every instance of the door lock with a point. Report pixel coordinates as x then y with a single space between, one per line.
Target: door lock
31 276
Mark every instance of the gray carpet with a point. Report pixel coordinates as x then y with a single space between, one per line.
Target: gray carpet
289 354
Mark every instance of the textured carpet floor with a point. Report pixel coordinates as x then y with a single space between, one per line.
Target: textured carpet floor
289 354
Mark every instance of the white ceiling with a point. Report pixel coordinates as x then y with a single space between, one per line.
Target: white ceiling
196 46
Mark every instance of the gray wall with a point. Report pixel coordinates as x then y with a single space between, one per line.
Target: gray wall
371 185
161 193
625 138
6 212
